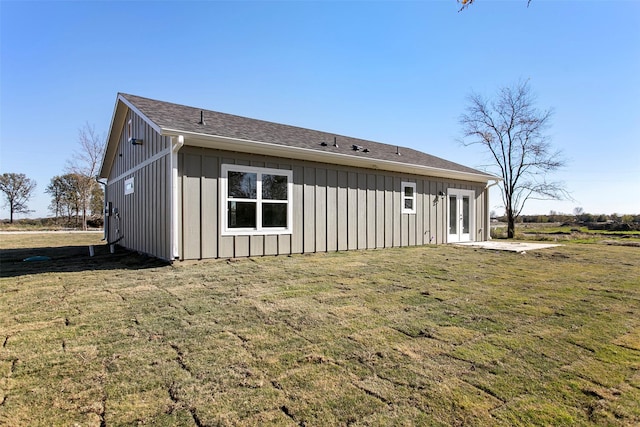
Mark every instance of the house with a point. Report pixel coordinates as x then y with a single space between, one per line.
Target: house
186 183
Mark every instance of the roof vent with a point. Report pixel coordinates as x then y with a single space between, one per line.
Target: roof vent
201 122
356 147
335 142
398 151
366 150
324 144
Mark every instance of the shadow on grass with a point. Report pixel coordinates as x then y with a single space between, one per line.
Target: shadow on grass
72 259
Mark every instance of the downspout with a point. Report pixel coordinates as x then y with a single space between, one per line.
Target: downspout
175 225
105 224
487 210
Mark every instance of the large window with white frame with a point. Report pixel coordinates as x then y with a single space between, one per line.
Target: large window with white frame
408 194
255 200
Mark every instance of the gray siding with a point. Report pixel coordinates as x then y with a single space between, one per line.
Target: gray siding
334 208
144 216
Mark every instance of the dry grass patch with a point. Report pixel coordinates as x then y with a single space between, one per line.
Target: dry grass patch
413 336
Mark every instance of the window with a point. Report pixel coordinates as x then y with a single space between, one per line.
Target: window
408 197
255 200
128 186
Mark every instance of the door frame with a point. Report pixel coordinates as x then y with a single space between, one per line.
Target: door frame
459 193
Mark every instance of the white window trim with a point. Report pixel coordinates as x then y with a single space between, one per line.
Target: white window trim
129 186
403 197
258 230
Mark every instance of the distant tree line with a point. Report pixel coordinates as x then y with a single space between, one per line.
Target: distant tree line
612 222
77 199
73 203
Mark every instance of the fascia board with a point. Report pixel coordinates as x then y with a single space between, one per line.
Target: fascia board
298 153
117 124
139 113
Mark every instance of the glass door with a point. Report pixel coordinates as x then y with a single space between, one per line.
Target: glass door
460 217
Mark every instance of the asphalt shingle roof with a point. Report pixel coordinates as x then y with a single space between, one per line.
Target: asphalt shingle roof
178 117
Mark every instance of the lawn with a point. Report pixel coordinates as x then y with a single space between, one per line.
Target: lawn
434 335
574 233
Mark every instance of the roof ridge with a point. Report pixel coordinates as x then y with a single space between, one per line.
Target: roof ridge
261 120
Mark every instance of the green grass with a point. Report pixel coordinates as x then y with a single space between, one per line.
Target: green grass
568 234
569 229
437 335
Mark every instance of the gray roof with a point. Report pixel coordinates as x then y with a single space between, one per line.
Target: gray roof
176 117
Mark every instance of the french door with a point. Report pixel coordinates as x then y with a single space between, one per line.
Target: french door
460 215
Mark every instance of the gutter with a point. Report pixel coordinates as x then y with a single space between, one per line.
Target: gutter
176 145
271 149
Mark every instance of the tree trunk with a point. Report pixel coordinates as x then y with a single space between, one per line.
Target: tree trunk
511 225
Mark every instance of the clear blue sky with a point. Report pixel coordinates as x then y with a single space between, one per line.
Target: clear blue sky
396 72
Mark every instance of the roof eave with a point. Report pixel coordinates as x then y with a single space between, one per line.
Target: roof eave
299 153
117 124
117 120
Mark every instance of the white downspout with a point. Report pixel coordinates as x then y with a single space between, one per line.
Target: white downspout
487 209
105 224
175 225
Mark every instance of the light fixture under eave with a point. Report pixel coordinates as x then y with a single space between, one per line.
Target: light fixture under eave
136 141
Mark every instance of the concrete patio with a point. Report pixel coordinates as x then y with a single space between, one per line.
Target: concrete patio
509 246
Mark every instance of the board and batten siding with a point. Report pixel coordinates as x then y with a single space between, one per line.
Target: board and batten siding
144 217
335 208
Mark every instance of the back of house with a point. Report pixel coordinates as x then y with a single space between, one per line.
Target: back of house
187 183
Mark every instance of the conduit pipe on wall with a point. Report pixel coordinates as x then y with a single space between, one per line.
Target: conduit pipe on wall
176 145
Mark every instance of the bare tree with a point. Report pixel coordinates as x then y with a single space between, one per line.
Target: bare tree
513 132
17 189
85 164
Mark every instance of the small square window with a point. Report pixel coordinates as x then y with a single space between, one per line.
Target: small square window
128 186
408 197
408 191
